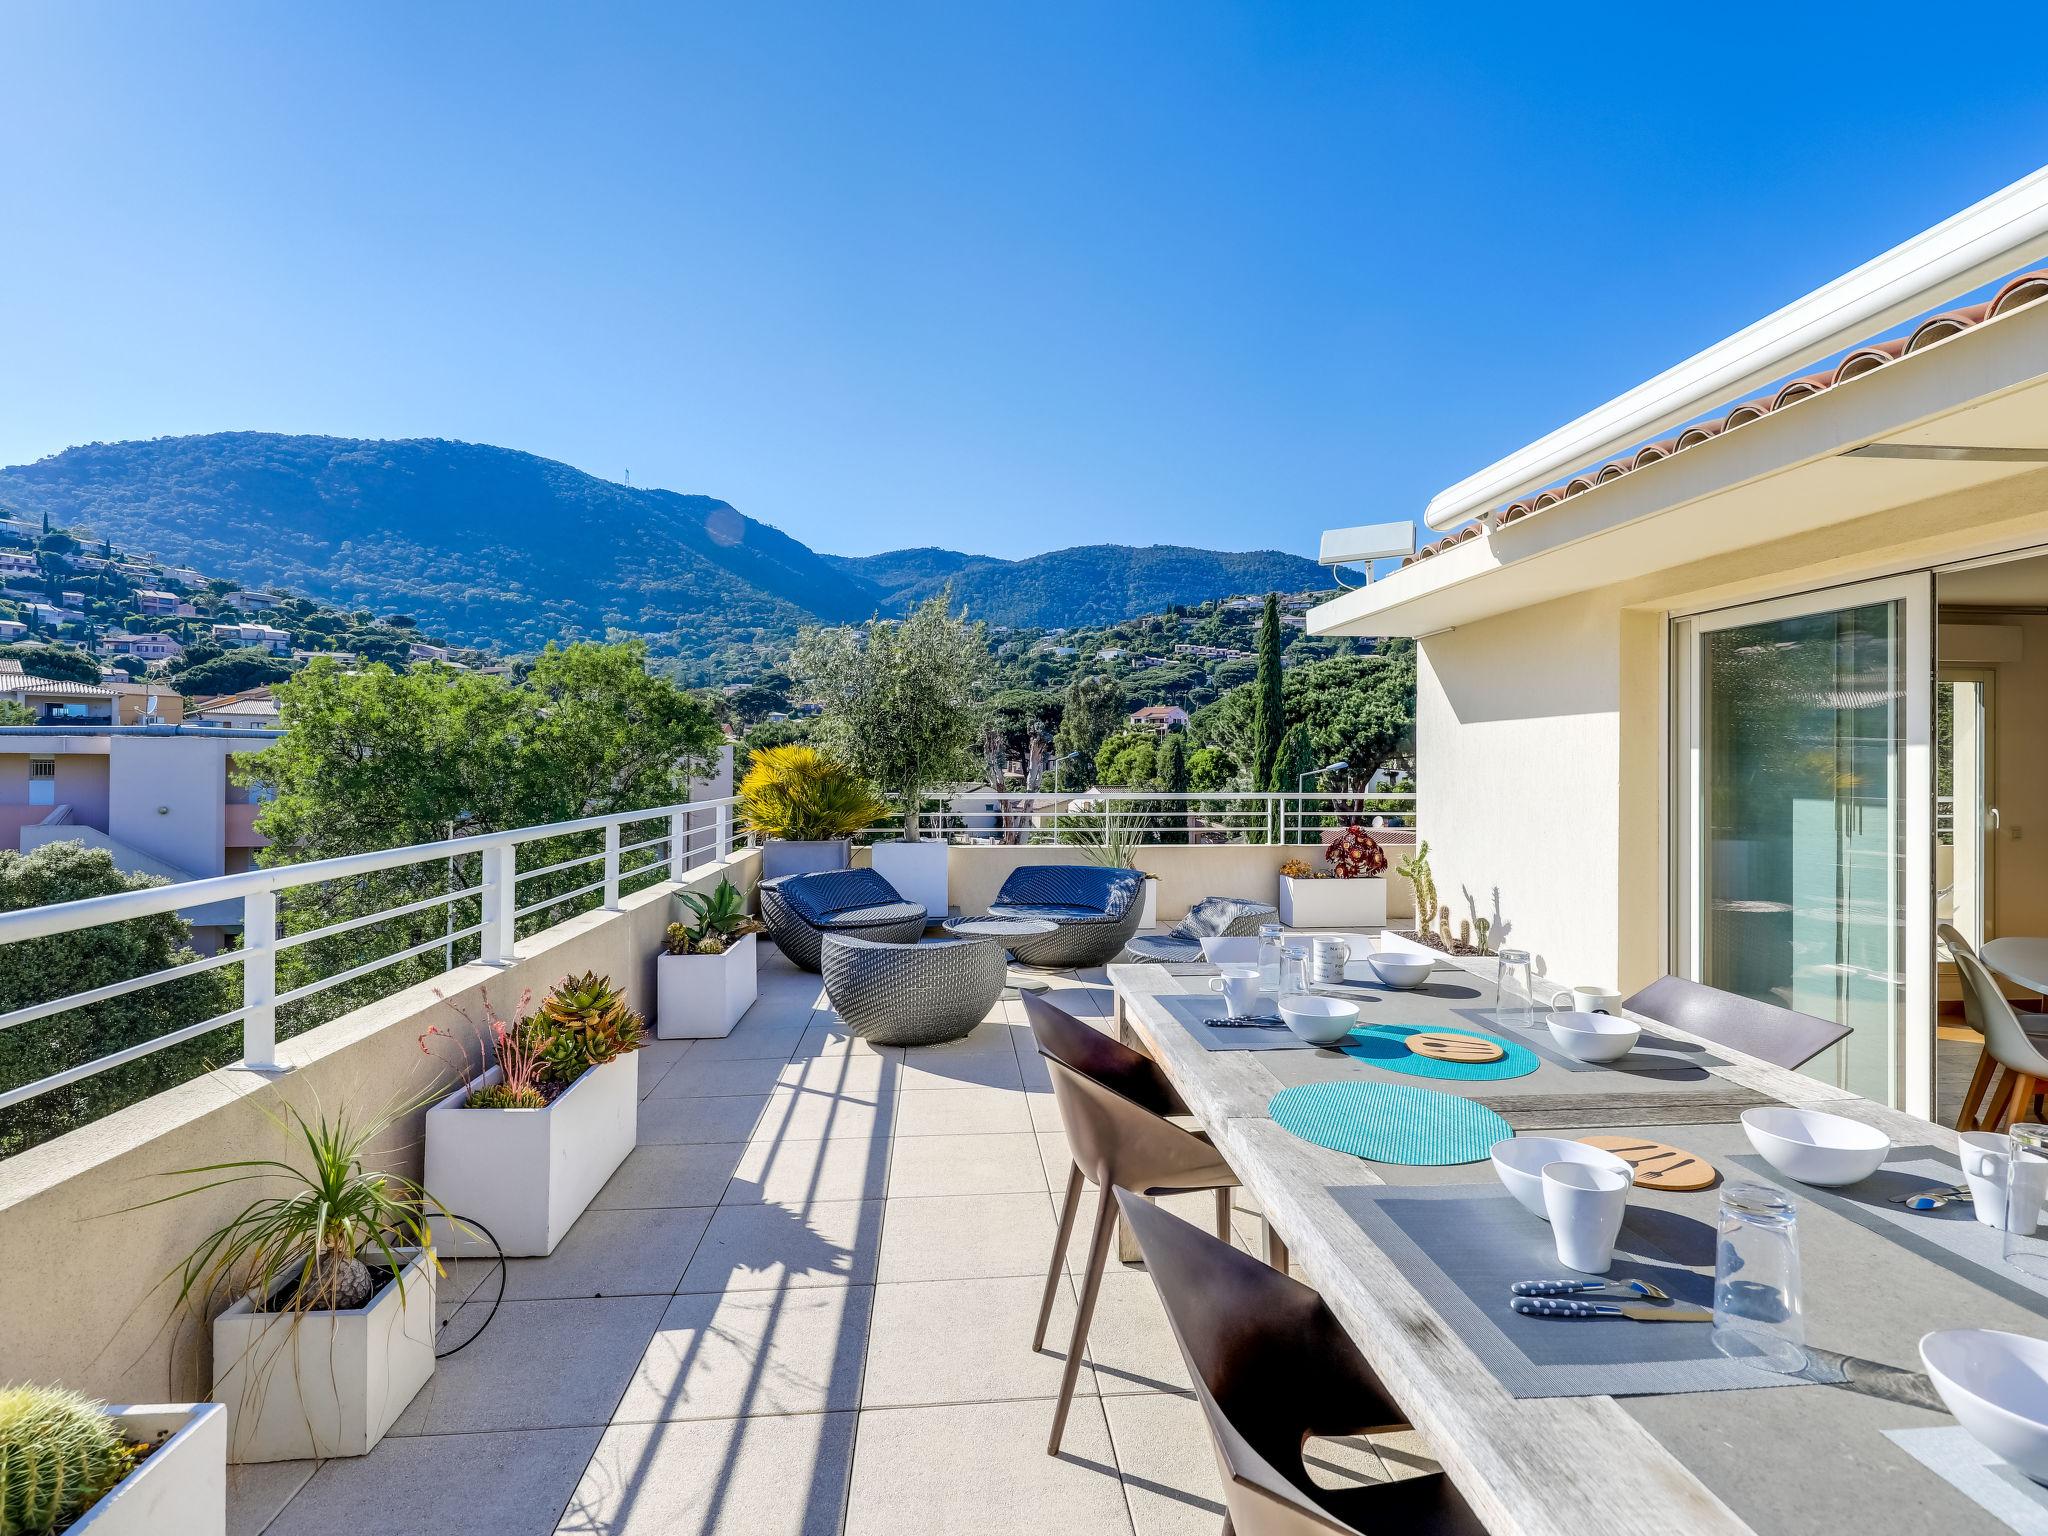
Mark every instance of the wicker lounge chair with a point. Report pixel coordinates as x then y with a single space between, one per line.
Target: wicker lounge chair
912 994
1094 911
1213 917
801 909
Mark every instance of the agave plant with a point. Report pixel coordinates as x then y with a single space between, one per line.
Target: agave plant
584 1022
59 1454
721 919
334 1211
800 794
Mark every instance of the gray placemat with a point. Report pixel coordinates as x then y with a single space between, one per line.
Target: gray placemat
1998 1488
1462 1247
1196 1014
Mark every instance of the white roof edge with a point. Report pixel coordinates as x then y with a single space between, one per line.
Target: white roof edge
1983 242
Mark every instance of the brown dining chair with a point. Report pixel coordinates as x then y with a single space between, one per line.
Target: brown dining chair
1994 1103
1763 1030
1113 1105
1271 1367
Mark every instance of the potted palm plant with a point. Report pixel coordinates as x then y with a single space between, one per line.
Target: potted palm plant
331 1330
903 701
70 1464
805 807
1350 893
704 976
519 1152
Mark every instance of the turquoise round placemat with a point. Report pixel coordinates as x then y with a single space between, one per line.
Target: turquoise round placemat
1389 1123
1386 1046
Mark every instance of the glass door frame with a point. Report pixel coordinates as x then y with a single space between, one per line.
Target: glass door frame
1912 1055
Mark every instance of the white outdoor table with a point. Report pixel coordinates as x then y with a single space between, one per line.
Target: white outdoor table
1807 1459
2020 959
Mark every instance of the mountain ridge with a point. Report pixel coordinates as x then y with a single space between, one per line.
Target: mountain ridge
497 546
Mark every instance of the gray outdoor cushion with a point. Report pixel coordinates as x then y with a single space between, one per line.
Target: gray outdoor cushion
1222 917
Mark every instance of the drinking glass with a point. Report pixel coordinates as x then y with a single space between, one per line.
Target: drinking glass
1514 989
1272 948
1757 1316
1294 973
2026 1184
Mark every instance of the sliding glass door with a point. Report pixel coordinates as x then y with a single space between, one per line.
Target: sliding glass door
1805 819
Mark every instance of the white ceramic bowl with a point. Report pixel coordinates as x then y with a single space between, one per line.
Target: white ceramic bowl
1996 1384
1227 951
1520 1161
1400 971
1814 1148
1594 1036
1319 1020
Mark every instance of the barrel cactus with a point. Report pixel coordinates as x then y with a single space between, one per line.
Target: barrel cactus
59 1452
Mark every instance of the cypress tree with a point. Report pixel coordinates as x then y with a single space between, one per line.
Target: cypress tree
1173 778
1269 717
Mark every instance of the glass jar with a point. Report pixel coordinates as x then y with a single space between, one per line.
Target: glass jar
2026 1187
1514 989
1757 1311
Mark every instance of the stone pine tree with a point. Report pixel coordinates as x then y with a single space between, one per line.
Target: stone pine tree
1269 714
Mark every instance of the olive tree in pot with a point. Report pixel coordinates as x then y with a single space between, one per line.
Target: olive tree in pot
70 1464
705 977
805 807
331 1266
903 701
520 1152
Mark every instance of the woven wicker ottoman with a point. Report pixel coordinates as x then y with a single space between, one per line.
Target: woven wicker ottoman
912 994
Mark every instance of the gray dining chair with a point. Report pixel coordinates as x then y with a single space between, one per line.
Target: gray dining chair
1271 1367
1113 1105
1763 1030
1993 1103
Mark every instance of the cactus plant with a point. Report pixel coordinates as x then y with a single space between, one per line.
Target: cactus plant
1415 870
1464 933
59 1452
1443 925
1480 928
586 1023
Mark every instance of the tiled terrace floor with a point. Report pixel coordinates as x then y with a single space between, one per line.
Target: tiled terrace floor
803 1305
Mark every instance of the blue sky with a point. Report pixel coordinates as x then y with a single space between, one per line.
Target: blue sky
1002 277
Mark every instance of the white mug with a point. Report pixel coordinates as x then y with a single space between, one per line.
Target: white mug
1585 1205
1239 985
1331 956
1596 1000
1987 1168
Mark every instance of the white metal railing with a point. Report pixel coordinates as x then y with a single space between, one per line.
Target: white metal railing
694 833
1085 816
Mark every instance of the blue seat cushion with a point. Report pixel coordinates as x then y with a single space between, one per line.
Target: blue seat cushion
819 897
1103 893
1049 912
872 917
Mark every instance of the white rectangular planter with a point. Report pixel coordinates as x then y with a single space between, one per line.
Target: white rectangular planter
297 1385
527 1174
701 997
181 1486
1348 904
917 870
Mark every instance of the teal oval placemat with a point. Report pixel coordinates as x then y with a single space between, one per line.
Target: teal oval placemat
1389 1123
1386 1046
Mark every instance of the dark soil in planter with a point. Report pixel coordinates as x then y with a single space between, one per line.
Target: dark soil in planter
382 1276
1437 944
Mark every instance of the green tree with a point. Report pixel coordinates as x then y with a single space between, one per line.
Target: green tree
39 970
383 758
1093 708
902 704
14 713
1297 759
57 661
1173 777
1360 708
1126 760
1269 713
1210 768
233 672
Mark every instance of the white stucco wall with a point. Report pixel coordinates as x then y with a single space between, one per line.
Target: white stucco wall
167 797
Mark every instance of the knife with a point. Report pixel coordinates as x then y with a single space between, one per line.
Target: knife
1641 1312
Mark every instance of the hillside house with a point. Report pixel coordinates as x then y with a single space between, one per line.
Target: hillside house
1158 718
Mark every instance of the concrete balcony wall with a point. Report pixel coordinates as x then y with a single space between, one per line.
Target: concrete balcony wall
82 1301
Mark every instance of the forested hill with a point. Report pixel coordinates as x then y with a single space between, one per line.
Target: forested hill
492 546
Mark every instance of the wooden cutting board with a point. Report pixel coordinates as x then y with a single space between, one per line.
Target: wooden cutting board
1448 1047
1657 1164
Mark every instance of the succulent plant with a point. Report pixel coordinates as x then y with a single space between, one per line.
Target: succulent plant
501 1096
721 918
59 1452
585 1023
1355 853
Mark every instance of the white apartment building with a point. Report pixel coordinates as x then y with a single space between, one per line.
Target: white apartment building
270 638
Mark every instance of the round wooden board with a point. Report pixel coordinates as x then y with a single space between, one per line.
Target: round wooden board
1657 1164
1447 1047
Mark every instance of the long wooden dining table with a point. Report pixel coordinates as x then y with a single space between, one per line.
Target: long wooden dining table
1807 1458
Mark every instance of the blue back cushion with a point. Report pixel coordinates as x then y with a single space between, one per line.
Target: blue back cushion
820 896
1107 891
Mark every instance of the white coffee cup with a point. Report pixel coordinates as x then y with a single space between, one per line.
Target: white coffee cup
1239 985
1596 1000
1331 956
1585 1204
1986 1157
